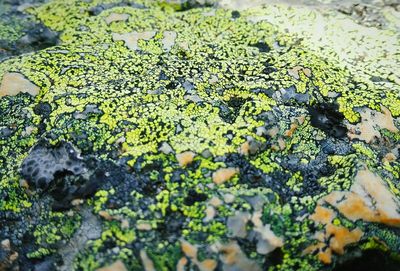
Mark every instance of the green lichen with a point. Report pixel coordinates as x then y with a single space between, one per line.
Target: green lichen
216 89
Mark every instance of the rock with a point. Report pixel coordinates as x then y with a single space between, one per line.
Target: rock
199 135
14 83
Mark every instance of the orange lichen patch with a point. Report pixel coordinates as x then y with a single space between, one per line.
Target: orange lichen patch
131 39
371 120
191 252
244 148
147 262
224 174
115 17
180 266
293 128
342 237
368 199
323 215
207 265
233 258
324 252
106 215
188 249
389 157
185 158
351 205
117 266
14 83
334 239
294 72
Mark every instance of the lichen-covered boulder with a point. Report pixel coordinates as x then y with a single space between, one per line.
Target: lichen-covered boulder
199 135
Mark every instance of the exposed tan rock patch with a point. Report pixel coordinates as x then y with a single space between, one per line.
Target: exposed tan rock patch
389 157
117 266
106 215
371 121
210 213
14 83
147 262
142 226
169 39
191 252
294 72
369 199
131 39
116 17
267 241
234 258
237 224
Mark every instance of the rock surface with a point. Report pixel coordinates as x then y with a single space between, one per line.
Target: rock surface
199 135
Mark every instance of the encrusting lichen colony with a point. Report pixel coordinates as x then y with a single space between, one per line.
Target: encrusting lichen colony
153 135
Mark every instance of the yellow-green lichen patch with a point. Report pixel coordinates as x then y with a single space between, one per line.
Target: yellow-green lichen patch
217 127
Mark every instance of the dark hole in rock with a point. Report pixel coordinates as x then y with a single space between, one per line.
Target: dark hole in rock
370 260
328 118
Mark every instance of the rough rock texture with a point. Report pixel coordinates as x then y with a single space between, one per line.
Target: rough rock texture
199 135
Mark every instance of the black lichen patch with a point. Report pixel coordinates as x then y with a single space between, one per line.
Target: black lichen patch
194 197
229 111
254 178
327 118
311 172
45 162
235 14
42 109
262 47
